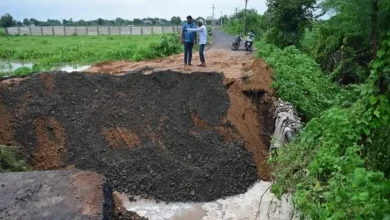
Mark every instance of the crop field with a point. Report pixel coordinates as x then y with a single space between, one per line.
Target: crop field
86 48
52 51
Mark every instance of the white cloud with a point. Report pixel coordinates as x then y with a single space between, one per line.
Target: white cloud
128 9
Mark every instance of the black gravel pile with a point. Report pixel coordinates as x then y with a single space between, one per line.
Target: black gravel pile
175 160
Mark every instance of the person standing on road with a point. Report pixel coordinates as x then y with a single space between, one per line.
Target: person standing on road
202 40
188 39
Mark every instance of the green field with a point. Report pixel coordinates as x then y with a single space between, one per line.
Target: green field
53 51
79 49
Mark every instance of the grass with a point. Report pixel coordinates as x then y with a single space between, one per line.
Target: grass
48 52
78 49
10 161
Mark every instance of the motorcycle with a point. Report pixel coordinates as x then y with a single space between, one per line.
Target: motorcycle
248 42
237 42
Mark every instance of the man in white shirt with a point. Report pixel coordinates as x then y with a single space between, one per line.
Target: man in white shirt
202 40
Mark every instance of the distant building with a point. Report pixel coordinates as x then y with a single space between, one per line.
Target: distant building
211 20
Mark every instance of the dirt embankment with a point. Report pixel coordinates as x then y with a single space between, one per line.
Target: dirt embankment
153 132
88 120
248 84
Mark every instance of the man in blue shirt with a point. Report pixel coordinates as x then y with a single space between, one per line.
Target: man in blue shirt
188 39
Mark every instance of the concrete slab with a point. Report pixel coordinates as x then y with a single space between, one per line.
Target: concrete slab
61 194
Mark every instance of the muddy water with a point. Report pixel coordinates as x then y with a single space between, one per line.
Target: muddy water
243 206
7 66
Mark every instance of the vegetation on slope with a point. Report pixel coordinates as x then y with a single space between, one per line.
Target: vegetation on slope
338 167
10 160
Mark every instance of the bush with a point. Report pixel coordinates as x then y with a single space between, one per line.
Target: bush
2 32
299 79
22 71
168 45
338 166
10 161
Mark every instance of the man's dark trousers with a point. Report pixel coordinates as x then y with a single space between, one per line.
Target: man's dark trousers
188 52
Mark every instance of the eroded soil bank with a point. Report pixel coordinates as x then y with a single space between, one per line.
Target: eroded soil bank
160 133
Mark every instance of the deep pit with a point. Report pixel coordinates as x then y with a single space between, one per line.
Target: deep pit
165 135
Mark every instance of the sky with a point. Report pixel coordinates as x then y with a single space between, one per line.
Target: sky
127 9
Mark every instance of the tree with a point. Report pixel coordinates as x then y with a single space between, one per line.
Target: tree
119 21
26 22
100 21
289 19
137 21
6 21
176 20
346 43
246 5
254 22
34 21
53 22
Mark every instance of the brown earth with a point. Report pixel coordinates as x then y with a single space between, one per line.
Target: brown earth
48 81
6 126
251 117
88 185
51 143
120 137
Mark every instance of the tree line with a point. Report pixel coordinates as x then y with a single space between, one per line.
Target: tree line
343 44
7 20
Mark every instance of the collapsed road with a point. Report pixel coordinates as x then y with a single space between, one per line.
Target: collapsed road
162 135
153 128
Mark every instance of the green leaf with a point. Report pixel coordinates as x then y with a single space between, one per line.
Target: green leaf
377 113
367 131
380 53
363 196
373 100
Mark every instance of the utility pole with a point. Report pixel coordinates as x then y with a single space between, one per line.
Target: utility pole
213 15
221 20
246 4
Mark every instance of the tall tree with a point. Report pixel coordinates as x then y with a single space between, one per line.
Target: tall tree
137 21
246 5
100 21
6 21
374 26
176 20
289 19
26 22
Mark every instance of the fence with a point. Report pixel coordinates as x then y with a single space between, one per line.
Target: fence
90 30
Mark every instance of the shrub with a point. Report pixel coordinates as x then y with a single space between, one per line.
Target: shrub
299 79
10 161
337 167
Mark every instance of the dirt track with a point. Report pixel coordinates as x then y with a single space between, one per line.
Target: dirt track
149 128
